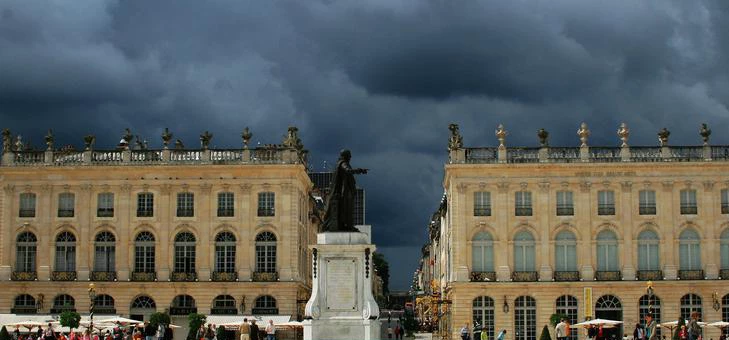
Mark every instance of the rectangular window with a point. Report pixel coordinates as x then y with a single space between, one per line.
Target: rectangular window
27 205
565 205
523 203
145 204
606 202
725 201
688 202
482 203
66 202
266 204
647 202
105 205
226 204
185 204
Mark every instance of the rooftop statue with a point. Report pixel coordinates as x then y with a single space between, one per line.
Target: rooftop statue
339 215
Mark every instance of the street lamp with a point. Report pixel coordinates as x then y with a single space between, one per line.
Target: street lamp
92 297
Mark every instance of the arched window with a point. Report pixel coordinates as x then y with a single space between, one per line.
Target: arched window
265 305
525 318
144 252
104 252
725 308
690 303
104 304
65 252
524 252
143 302
483 314
62 303
724 245
567 305
24 304
224 305
565 252
607 251
183 305
185 253
689 249
225 252
266 252
483 252
25 252
648 252
650 305
609 307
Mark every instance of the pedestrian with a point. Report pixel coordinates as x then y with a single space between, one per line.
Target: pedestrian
502 335
683 333
398 331
694 329
389 331
638 332
484 334
270 330
254 330
650 328
464 332
560 330
245 330
149 331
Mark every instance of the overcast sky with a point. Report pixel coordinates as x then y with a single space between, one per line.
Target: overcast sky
383 78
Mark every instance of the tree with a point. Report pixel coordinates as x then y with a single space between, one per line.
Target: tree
195 321
4 335
383 269
70 319
410 323
159 318
545 334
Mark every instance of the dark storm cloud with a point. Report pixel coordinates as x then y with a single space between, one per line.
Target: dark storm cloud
383 78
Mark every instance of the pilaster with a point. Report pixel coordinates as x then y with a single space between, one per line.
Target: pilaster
125 209
165 212
627 207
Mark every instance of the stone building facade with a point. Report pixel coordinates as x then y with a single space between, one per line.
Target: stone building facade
608 232
176 230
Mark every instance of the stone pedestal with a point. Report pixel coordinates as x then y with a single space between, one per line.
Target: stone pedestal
341 304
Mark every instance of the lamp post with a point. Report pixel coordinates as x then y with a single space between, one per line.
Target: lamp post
92 297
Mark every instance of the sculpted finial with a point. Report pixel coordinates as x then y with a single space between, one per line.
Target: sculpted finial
705 132
543 137
455 141
7 141
292 140
246 135
49 140
623 133
205 139
583 132
166 137
663 136
501 135
89 142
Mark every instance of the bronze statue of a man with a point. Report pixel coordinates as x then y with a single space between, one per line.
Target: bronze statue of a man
339 216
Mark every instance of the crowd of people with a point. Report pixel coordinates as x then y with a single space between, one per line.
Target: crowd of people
118 332
251 331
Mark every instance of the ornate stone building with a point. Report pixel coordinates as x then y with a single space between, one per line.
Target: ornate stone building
590 232
179 230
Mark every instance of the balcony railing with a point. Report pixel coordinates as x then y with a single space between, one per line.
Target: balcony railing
483 276
105 212
226 212
26 213
182 310
650 275
647 210
565 211
689 210
563 276
24 276
691 274
481 211
265 276
24 310
264 311
144 276
724 274
612 275
61 309
65 212
183 276
223 311
225 276
63 276
185 212
523 211
103 276
606 210
266 212
524 276
104 310
145 213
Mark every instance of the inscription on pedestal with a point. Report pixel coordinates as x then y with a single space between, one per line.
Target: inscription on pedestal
341 292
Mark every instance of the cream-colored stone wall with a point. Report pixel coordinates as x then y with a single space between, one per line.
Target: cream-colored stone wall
626 179
291 224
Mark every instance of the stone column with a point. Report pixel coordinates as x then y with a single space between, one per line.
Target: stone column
708 213
6 265
586 251
460 235
543 212
124 212
45 252
245 230
83 208
165 212
204 215
286 215
627 207
669 248
502 211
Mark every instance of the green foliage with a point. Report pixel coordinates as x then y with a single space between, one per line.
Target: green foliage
159 318
554 318
681 322
545 334
195 321
70 319
4 335
383 269
410 324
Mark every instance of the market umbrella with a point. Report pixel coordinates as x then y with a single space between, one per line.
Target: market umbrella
27 324
141 324
719 324
673 324
292 324
597 322
120 320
